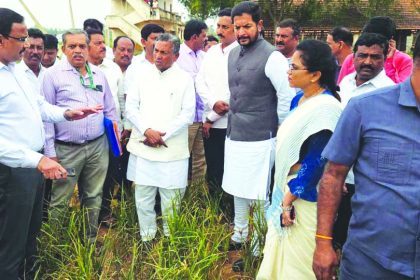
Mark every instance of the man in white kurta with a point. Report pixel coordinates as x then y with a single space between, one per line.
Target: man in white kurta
160 108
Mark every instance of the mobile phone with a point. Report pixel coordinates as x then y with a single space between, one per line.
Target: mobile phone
292 216
71 172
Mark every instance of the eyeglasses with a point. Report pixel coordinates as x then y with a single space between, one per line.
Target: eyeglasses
21 39
293 68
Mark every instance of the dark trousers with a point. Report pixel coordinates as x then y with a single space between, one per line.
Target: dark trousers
214 149
341 225
21 194
47 199
116 174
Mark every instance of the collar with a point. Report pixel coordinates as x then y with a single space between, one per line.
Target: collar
377 81
167 71
141 57
25 67
188 50
407 97
2 65
9 67
68 67
233 45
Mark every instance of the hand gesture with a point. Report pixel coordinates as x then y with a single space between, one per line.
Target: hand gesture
81 113
286 218
206 129
154 138
221 107
392 48
125 136
51 169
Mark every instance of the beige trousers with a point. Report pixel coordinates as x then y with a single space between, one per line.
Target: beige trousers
196 146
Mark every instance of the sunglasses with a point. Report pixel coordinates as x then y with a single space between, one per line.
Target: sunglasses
21 39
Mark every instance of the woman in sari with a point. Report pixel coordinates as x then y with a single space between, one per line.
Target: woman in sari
291 218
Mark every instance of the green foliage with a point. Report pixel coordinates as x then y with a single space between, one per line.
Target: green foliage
196 248
204 9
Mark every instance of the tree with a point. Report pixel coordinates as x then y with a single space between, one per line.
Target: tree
204 9
276 9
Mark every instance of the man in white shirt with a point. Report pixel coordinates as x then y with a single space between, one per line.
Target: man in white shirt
50 51
190 57
32 56
370 52
369 65
123 55
213 88
22 164
149 33
160 108
287 37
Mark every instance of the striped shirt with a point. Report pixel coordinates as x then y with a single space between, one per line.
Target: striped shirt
61 86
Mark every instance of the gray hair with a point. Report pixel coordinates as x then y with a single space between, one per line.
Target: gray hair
168 37
75 32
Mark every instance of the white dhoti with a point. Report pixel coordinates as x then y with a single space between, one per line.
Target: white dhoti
169 178
247 169
247 176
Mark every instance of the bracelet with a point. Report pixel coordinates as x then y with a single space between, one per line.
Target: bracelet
288 208
323 237
209 121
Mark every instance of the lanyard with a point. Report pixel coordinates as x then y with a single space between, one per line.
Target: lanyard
91 84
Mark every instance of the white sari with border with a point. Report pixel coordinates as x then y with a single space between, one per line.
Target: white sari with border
288 251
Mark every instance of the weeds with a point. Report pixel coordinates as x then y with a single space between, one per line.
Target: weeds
197 232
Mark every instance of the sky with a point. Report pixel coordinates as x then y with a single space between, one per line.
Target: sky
56 13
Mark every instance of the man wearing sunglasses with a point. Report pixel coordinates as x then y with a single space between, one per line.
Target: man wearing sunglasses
22 164
81 145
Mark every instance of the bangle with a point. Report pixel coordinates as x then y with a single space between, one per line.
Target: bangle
323 237
288 208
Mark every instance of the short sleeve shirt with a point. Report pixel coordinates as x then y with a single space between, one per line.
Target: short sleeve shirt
379 132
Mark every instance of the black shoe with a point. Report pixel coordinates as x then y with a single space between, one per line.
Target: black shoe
238 266
236 246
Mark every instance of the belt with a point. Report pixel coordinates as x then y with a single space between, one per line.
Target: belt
76 144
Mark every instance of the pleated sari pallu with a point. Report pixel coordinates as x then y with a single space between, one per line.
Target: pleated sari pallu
288 251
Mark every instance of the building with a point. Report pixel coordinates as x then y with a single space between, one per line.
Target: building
129 16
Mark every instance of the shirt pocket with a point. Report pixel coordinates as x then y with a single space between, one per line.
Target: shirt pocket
393 163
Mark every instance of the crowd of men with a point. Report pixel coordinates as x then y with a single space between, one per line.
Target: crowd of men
187 111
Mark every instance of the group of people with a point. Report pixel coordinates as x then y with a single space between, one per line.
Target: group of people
231 113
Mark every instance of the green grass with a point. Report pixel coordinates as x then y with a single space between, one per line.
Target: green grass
198 231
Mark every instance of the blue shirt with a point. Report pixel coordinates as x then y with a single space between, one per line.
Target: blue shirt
379 132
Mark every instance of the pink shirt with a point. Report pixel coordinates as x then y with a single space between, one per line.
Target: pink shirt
398 67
